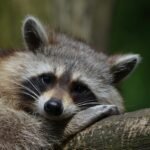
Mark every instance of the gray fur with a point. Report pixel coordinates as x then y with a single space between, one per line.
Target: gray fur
66 58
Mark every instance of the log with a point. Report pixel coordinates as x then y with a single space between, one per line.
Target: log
129 131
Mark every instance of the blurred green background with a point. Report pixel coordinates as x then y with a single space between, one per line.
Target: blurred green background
110 25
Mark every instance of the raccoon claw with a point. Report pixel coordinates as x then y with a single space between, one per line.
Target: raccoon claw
111 109
101 111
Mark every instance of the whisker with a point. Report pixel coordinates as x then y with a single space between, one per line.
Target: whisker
34 86
88 103
24 87
35 98
28 90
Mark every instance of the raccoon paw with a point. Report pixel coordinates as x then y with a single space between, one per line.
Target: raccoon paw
85 118
110 110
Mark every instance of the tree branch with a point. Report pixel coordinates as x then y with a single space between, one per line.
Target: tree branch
123 132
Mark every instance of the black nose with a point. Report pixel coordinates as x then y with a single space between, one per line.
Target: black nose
53 107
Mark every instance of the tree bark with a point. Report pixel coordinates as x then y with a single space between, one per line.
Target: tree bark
130 131
86 19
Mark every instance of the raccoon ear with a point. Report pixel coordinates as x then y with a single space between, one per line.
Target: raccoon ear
34 33
123 65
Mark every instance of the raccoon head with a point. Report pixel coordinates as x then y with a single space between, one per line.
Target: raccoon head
56 76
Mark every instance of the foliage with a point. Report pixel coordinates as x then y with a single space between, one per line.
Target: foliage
131 33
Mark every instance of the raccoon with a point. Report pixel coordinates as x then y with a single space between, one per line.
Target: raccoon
56 87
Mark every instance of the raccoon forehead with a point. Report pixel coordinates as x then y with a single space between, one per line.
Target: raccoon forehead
27 64
77 57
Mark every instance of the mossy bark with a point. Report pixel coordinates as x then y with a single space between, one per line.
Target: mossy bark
130 131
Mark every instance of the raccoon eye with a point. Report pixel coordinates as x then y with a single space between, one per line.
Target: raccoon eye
79 88
47 78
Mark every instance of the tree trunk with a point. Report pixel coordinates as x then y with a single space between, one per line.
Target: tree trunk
130 131
86 19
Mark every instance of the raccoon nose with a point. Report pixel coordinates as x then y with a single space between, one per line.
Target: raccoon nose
53 107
